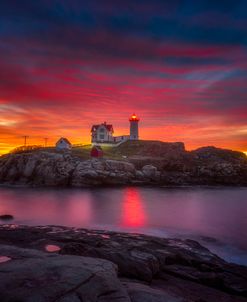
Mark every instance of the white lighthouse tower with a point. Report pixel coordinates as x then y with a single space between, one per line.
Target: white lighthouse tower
134 120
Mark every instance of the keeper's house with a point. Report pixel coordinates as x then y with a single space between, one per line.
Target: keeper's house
102 133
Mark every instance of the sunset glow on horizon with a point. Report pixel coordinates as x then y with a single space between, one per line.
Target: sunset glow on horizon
180 67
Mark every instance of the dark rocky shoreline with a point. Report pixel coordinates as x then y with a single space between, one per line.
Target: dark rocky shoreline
170 165
120 267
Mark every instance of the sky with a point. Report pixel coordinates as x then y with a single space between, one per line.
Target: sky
181 66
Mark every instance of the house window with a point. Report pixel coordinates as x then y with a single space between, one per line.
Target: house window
102 130
101 136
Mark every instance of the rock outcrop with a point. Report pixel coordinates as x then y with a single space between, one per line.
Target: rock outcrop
205 166
33 276
92 265
6 217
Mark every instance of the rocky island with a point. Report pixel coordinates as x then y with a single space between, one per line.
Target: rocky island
132 163
54 263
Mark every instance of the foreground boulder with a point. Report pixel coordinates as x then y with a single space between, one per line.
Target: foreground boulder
143 293
147 266
35 276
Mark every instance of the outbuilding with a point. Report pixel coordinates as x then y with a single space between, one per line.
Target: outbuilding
96 152
63 144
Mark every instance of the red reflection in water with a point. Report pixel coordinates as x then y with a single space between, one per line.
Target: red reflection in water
52 248
4 259
133 214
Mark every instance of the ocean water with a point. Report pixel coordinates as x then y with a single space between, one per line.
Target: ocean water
216 217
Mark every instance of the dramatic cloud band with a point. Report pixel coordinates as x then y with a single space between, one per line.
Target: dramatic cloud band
180 65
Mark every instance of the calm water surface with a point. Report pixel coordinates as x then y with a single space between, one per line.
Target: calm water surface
215 217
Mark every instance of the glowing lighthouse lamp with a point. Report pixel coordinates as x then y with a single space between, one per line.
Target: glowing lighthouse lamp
134 120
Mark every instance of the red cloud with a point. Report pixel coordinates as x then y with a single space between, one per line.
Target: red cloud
51 90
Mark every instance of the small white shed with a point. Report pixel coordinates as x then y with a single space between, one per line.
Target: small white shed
63 144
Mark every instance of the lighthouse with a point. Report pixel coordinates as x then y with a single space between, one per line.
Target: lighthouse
134 120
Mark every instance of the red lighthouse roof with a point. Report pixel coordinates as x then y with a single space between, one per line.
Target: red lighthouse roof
134 118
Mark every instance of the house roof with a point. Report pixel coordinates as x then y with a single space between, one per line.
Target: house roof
65 140
98 148
109 127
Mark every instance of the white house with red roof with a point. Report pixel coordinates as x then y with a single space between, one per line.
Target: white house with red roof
102 133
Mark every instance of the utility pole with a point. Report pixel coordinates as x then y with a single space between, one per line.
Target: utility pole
25 140
46 139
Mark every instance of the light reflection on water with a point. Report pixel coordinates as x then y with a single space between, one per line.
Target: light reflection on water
52 248
133 212
196 213
4 259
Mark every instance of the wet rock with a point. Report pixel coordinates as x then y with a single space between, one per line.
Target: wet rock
149 171
143 259
36 276
4 259
139 175
29 168
143 293
115 165
131 263
98 165
6 217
